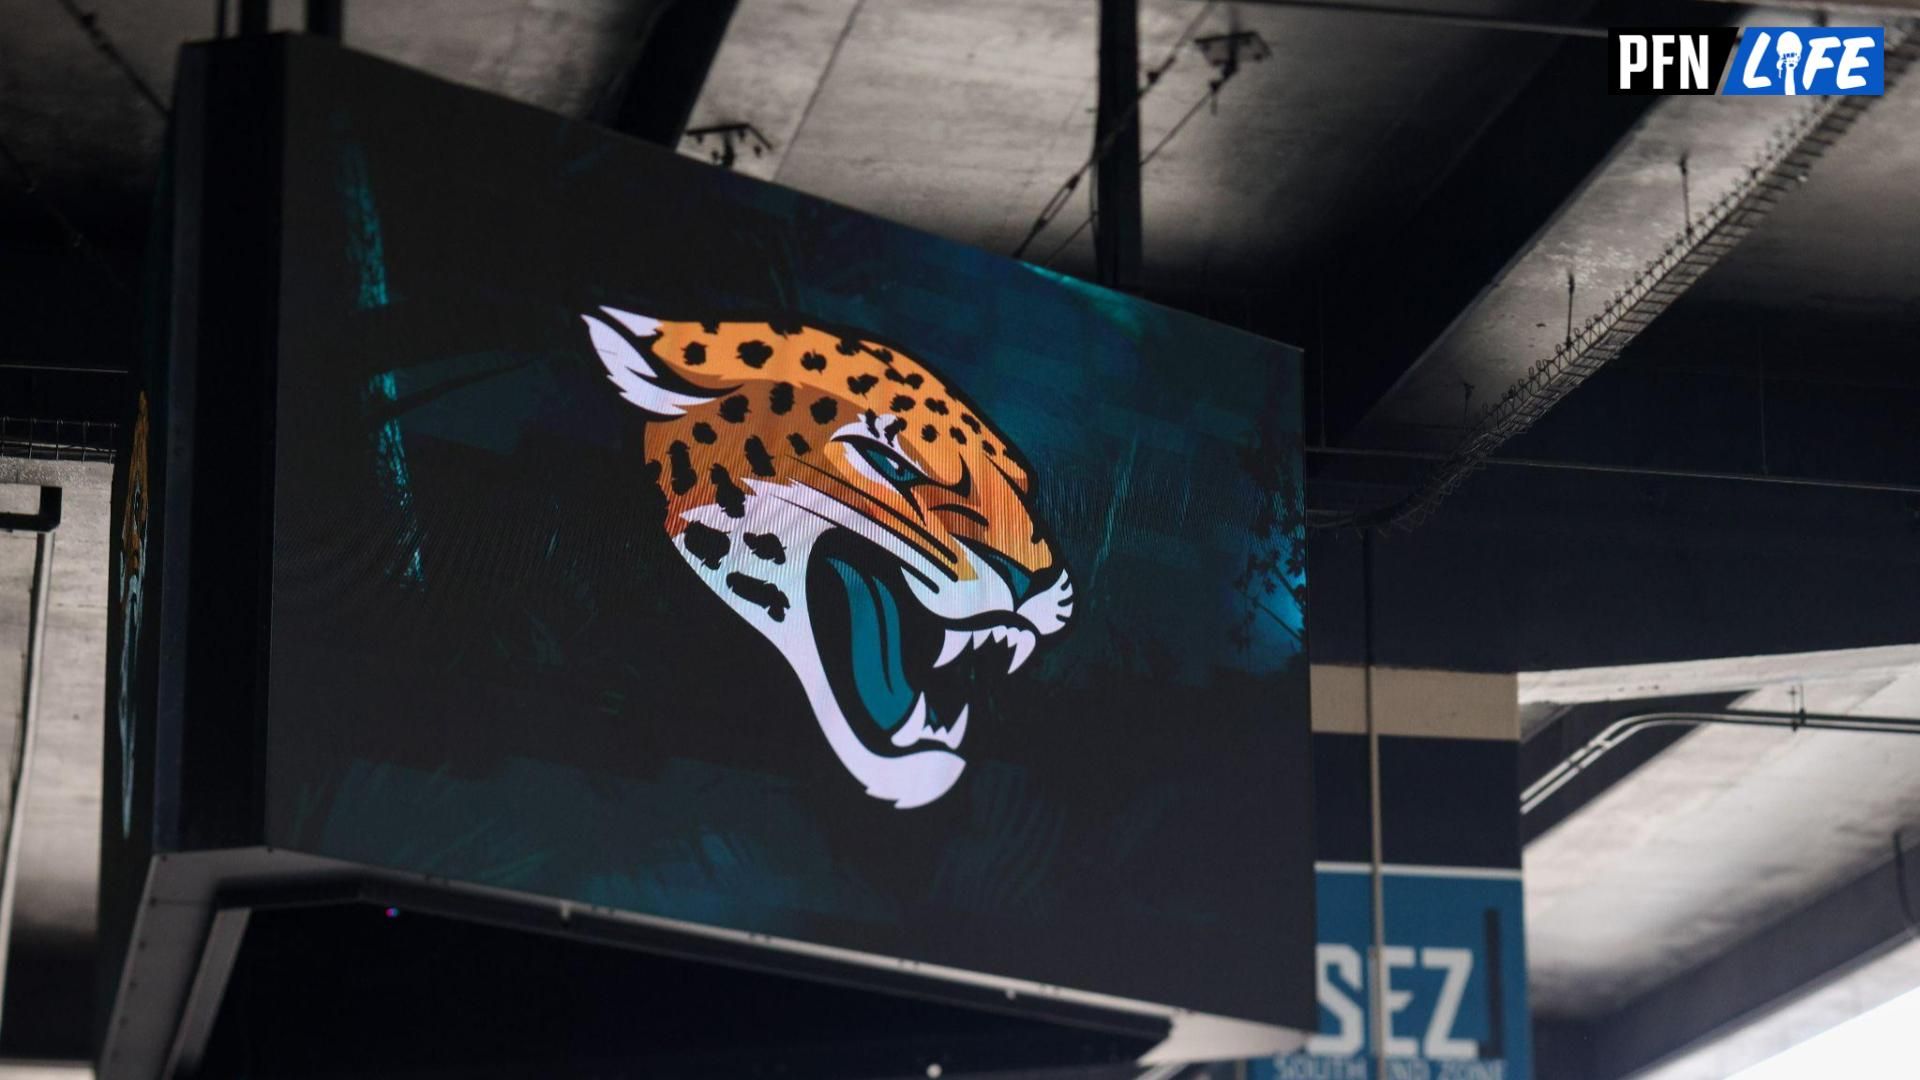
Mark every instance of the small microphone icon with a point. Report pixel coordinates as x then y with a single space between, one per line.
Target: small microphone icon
1789 58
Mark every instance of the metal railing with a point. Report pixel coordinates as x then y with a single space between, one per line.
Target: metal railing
47 439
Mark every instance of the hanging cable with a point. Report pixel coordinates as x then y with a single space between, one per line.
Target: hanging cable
1192 111
1064 193
90 23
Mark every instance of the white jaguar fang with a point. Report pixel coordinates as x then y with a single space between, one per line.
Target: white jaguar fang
956 643
915 727
1024 642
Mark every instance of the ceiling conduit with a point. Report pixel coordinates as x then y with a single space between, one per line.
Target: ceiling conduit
1538 792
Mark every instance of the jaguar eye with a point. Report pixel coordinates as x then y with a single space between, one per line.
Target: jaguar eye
895 469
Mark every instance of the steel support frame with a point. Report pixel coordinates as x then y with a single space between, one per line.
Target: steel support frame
1116 190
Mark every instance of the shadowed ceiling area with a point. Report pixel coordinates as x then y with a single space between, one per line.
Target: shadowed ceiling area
1658 455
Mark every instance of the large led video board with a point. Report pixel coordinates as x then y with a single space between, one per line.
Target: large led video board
659 540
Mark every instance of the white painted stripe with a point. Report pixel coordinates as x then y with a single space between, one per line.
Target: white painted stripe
1494 873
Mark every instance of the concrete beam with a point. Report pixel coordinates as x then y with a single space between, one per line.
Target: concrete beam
656 93
1834 934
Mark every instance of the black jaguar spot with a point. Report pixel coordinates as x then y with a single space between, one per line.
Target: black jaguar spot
703 433
824 410
764 593
914 380
683 477
988 447
709 326
754 354
694 354
883 355
758 457
707 545
726 492
937 405
894 428
813 361
651 470
799 444
870 417
895 376
767 546
734 409
846 346
901 403
927 434
860 384
785 325
967 419
958 435
781 399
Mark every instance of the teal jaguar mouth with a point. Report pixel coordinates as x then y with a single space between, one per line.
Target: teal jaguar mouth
889 661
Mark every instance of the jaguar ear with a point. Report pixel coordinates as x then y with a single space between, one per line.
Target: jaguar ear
639 381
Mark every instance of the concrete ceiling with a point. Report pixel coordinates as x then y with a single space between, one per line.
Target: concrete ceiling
964 118
1721 833
50 961
1848 242
83 129
1817 253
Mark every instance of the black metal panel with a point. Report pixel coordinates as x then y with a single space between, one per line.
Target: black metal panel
389 990
1444 802
229 439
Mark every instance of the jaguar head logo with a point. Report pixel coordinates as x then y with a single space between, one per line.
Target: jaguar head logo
855 511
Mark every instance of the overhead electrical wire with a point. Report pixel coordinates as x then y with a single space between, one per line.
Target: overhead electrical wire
1058 201
1192 111
90 24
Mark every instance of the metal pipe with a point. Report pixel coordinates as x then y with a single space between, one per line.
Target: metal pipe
1377 977
1626 470
1538 792
24 739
